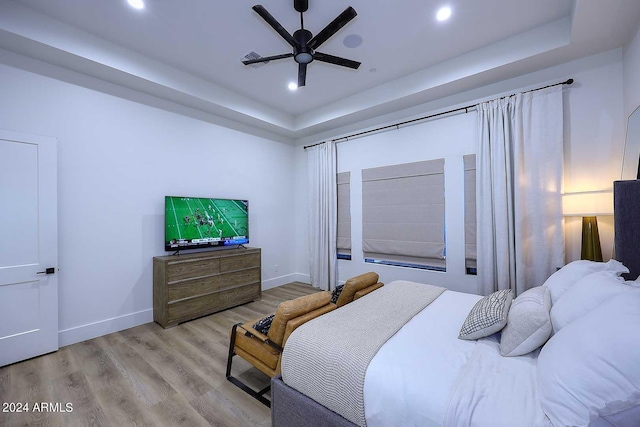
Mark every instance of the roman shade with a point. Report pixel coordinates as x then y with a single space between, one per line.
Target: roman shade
403 213
344 215
470 211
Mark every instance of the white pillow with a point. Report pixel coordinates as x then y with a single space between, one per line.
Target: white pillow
588 372
567 276
487 316
588 293
528 323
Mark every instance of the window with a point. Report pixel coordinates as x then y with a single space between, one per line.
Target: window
344 215
403 215
470 225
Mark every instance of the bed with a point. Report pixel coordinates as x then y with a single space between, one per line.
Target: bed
357 366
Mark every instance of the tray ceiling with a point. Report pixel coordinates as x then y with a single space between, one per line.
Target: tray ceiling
189 52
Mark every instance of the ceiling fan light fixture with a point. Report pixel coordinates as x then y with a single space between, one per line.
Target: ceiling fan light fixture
303 58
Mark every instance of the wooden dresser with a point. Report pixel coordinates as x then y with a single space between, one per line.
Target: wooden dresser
194 285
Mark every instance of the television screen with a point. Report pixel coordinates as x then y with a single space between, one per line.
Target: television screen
194 222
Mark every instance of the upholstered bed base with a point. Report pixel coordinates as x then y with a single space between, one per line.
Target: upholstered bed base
626 196
290 408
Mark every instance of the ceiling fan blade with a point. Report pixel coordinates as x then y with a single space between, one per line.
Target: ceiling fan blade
260 10
302 74
323 57
267 58
347 15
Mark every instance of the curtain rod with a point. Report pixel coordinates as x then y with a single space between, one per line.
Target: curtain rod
455 110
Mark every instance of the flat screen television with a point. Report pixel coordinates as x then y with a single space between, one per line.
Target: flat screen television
197 222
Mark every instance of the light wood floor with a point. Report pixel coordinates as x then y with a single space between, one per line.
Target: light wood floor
146 376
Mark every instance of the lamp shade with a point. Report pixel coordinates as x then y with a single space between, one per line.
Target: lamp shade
588 203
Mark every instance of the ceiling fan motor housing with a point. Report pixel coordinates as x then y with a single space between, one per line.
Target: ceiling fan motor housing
302 53
301 5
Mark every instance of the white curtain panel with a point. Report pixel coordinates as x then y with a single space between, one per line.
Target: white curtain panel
321 162
520 240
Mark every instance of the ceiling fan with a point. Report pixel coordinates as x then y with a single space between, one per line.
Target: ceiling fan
304 43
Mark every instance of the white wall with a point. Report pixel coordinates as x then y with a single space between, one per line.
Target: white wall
594 138
632 74
449 139
594 144
117 160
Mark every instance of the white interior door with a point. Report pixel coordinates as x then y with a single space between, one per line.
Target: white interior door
28 246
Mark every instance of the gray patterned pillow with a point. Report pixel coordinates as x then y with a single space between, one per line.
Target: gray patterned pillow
488 316
263 325
335 294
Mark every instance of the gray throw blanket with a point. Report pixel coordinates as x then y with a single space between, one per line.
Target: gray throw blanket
327 358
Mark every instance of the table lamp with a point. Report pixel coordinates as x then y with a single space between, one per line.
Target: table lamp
589 205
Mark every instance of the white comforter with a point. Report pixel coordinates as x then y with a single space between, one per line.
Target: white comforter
425 376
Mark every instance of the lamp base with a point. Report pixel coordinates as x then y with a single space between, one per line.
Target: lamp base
591 249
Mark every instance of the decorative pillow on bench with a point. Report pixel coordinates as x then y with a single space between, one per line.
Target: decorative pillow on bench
263 325
335 294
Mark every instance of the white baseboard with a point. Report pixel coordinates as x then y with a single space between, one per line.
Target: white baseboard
282 280
304 278
115 324
103 327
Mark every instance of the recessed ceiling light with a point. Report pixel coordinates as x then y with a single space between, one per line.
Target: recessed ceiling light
443 14
293 86
137 4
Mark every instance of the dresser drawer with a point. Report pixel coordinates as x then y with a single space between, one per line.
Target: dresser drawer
193 307
235 263
199 306
190 288
239 278
231 297
191 268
